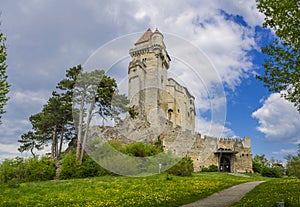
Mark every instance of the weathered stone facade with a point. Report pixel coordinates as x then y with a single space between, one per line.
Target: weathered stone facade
167 112
230 155
150 91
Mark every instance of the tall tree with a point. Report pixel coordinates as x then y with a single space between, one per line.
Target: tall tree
282 65
4 86
94 94
55 123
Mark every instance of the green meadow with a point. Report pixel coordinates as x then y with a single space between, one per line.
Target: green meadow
157 190
285 190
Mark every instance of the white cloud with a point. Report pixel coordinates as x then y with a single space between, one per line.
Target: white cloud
214 129
8 151
45 39
21 97
278 120
285 151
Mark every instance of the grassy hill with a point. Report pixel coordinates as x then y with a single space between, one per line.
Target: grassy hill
158 190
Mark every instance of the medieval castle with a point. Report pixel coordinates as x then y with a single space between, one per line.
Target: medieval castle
166 111
164 102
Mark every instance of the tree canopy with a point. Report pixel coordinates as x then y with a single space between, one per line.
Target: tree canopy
4 86
80 96
54 124
282 65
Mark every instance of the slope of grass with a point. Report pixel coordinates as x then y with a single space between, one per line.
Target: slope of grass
275 190
119 191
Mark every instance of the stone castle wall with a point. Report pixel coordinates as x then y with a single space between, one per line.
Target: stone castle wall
166 110
149 89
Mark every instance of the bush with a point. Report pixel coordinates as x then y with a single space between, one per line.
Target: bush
211 168
70 168
183 168
256 167
138 149
293 166
24 170
273 172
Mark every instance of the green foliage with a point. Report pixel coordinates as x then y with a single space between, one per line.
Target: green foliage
29 142
183 168
259 162
25 170
70 168
293 165
273 172
137 149
132 112
54 124
211 168
275 190
95 94
4 86
124 191
282 70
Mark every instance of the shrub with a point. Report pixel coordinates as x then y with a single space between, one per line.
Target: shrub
138 149
293 166
211 168
70 168
273 172
24 170
256 167
8 169
183 168
38 169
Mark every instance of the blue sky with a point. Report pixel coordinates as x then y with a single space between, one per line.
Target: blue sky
45 38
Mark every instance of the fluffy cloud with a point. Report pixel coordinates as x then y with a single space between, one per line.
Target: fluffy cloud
214 129
47 37
278 120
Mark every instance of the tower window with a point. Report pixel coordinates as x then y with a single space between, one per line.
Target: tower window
162 79
170 114
144 60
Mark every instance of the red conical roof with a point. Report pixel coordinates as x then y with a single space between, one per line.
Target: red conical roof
146 36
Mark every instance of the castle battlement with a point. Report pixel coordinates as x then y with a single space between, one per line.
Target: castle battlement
168 109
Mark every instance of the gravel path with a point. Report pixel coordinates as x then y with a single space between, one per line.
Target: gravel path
225 197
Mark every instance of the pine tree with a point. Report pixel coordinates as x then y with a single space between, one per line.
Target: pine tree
4 86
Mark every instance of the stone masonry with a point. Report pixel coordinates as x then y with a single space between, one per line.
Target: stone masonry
166 111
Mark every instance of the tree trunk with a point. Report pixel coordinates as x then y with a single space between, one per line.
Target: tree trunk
56 145
31 150
89 119
61 141
53 146
80 125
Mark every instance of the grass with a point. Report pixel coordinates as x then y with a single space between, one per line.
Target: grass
275 190
119 191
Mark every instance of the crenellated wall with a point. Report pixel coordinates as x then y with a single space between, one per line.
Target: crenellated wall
166 110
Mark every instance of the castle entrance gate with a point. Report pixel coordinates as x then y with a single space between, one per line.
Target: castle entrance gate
224 164
225 158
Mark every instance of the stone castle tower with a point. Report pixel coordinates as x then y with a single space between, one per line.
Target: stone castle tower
150 91
166 111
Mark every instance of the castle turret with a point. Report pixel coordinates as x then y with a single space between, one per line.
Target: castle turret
147 72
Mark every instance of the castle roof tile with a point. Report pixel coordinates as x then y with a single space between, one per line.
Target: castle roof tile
146 36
